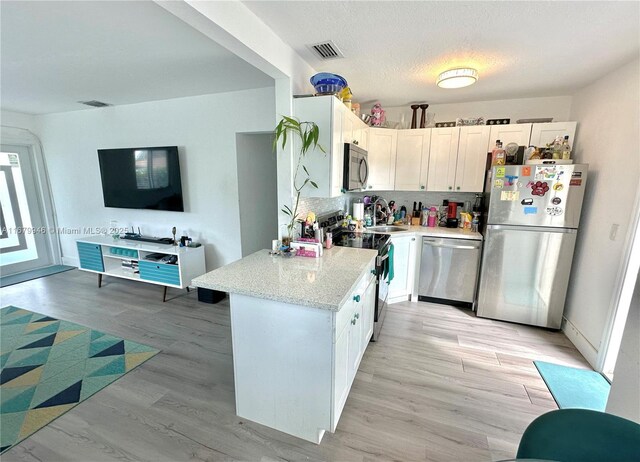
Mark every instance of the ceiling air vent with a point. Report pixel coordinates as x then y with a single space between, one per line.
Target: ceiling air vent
94 103
326 50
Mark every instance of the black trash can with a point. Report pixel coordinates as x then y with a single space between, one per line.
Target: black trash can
210 296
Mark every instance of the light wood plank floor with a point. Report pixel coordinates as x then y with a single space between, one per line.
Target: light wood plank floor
440 385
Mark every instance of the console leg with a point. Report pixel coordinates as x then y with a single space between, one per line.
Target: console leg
99 280
164 294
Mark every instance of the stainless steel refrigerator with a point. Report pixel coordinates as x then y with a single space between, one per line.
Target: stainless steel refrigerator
532 221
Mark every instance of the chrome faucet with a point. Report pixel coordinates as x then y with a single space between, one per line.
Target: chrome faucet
385 209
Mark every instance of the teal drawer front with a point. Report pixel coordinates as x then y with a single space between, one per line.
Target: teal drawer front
90 256
158 272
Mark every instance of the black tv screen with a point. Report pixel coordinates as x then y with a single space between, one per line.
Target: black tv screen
141 178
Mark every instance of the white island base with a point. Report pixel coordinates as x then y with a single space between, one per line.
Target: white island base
293 364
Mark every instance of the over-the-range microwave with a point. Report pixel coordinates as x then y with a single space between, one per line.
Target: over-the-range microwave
356 168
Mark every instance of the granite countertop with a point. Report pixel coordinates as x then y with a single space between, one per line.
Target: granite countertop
325 282
452 233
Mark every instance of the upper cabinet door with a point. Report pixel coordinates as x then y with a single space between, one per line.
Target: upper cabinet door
412 159
516 133
337 149
472 158
442 159
543 134
348 127
382 158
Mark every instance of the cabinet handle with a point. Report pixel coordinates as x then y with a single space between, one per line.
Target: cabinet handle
421 187
356 298
373 272
450 188
458 188
353 321
357 315
413 238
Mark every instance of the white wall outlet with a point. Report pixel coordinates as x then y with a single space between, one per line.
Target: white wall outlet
614 231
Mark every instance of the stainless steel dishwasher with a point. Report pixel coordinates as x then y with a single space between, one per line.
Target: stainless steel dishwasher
449 270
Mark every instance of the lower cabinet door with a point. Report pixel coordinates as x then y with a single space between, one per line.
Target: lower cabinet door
90 256
355 341
399 285
367 314
341 376
159 272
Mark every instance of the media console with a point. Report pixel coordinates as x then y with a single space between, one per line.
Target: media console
141 261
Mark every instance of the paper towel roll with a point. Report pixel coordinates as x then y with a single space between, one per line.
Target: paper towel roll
358 211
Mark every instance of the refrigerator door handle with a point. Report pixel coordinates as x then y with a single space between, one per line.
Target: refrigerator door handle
542 229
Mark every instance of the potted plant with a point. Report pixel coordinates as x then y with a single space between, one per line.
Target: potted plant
306 134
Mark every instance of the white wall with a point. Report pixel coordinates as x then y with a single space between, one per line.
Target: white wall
607 138
257 188
624 398
17 120
557 107
204 129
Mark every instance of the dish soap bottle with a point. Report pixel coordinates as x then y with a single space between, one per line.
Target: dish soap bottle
498 156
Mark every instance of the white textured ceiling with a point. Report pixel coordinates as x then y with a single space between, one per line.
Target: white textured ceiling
395 50
54 54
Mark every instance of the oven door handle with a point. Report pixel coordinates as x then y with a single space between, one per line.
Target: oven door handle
381 259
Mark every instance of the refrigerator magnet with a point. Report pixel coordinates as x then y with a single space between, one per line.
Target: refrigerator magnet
575 182
500 172
498 184
526 171
510 196
556 200
527 201
530 210
554 211
558 187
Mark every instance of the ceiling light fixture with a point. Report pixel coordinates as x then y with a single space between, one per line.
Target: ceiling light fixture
457 78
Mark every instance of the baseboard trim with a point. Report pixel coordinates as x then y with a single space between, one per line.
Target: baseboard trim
580 342
71 261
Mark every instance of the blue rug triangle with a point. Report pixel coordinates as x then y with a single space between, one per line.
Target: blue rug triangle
67 396
18 403
117 366
21 320
43 342
46 318
3 359
4 448
10 309
96 334
53 327
10 373
117 349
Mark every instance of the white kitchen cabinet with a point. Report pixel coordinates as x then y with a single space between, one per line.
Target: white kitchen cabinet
443 156
403 266
412 159
337 126
367 313
545 133
472 158
513 133
382 158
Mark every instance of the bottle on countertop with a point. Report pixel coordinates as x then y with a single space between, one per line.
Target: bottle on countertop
556 148
498 155
566 148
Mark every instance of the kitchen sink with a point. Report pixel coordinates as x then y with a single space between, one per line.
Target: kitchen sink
387 229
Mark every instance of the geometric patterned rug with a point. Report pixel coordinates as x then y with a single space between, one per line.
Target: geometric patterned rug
48 366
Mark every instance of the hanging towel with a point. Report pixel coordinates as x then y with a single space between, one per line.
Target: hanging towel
389 266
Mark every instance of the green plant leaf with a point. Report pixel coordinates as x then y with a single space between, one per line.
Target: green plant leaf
314 184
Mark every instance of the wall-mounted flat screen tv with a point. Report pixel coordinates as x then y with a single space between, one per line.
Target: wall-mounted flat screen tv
141 178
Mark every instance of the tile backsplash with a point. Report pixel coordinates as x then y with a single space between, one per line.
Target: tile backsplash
321 205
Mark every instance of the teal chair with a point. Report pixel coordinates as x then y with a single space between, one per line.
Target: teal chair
580 435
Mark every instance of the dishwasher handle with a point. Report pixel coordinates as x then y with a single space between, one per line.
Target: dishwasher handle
433 243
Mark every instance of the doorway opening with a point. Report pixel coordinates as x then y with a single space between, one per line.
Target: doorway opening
621 311
28 239
257 191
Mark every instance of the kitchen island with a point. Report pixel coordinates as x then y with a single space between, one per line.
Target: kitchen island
299 329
